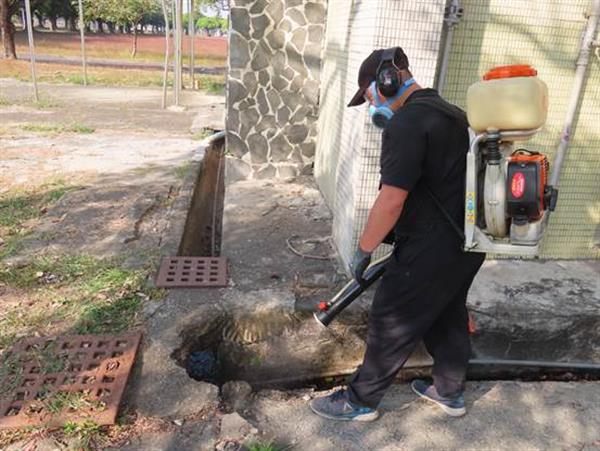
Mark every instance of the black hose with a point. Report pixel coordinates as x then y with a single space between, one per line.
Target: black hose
492 145
536 364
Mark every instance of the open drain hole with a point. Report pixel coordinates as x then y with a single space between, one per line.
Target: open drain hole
228 347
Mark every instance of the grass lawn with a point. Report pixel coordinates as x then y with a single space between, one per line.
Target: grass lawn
75 127
101 76
17 207
72 293
69 294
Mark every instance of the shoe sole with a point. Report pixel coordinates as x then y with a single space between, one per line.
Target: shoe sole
366 417
448 410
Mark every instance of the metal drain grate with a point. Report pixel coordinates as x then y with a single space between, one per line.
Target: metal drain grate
51 381
192 272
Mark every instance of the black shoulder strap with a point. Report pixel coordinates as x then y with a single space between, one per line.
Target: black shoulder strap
444 107
460 116
449 218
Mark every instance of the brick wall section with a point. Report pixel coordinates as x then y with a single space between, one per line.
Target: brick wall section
273 86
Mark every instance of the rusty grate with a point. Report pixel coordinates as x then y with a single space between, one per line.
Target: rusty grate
192 272
53 380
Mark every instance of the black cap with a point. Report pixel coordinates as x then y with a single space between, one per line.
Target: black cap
368 72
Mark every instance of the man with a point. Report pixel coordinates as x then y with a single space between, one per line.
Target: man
423 292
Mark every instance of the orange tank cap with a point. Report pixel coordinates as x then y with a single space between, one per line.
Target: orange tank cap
516 70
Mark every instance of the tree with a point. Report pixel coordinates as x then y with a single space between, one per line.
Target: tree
133 12
126 13
208 23
8 8
53 9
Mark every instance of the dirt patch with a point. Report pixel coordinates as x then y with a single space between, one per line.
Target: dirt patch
102 108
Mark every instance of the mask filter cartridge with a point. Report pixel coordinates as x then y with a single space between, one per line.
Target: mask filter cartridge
381 109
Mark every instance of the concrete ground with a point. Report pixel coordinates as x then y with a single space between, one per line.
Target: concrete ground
502 416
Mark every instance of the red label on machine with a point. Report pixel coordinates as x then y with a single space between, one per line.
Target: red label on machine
517 185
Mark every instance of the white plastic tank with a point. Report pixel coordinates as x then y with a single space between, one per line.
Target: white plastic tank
508 98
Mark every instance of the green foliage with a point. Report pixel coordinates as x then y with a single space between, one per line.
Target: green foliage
19 206
85 432
211 84
72 428
75 127
122 12
215 7
113 317
84 293
56 8
202 134
208 23
270 446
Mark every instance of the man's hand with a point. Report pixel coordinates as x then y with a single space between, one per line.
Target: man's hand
360 263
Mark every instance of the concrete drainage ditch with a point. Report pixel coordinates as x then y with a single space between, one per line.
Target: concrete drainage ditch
253 348
204 222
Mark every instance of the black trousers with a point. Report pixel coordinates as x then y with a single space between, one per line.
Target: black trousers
422 296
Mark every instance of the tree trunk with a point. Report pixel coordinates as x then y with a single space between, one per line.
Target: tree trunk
71 24
100 25
53 26
40 20
8 31
135 39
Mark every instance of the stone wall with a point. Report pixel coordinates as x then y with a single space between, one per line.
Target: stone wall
273 86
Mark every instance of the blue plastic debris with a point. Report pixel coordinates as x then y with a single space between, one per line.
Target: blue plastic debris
203 366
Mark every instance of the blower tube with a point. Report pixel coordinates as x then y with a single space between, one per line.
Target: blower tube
329 310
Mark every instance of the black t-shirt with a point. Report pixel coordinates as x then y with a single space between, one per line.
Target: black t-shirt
424 147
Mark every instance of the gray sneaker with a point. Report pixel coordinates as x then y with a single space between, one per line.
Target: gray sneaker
455 406
337 406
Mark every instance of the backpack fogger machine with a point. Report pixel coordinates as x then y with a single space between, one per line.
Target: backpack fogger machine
507 195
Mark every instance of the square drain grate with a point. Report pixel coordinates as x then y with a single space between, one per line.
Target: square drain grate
49 381
192 272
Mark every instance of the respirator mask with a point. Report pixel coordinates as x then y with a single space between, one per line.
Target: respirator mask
381 107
